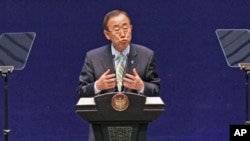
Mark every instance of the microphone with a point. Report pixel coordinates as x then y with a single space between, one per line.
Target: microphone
113 59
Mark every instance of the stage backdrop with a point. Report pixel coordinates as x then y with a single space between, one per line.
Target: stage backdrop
203 95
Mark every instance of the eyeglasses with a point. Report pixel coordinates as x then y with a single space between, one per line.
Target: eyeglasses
119 30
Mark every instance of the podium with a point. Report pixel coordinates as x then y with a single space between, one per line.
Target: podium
120 116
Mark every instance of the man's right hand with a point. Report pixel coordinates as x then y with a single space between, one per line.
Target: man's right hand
106 81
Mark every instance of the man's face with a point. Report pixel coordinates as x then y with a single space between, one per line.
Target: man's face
119 31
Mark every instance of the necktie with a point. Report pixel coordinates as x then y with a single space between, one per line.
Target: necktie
120 71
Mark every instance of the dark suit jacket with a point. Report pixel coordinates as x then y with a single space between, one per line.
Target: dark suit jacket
98 60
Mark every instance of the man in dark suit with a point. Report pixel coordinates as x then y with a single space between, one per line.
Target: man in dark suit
99 73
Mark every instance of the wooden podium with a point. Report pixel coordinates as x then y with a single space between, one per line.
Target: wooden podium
120 116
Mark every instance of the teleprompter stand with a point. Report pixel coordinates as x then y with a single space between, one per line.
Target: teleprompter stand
14 52
5 71
236 48
246 68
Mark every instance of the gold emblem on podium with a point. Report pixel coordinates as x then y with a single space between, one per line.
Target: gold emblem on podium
120 102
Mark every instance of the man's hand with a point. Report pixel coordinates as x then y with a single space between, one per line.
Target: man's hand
106 81
133 81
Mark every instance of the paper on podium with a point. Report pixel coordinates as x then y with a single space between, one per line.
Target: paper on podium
86 101
153 101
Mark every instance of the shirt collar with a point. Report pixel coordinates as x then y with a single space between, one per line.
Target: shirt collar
117 53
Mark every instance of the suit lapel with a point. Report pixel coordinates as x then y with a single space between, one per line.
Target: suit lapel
107 60
132 59
107 63
131 63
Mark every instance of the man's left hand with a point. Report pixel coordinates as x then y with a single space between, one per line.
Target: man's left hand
133 81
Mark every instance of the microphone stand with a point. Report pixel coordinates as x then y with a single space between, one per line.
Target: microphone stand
246 68
5 70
